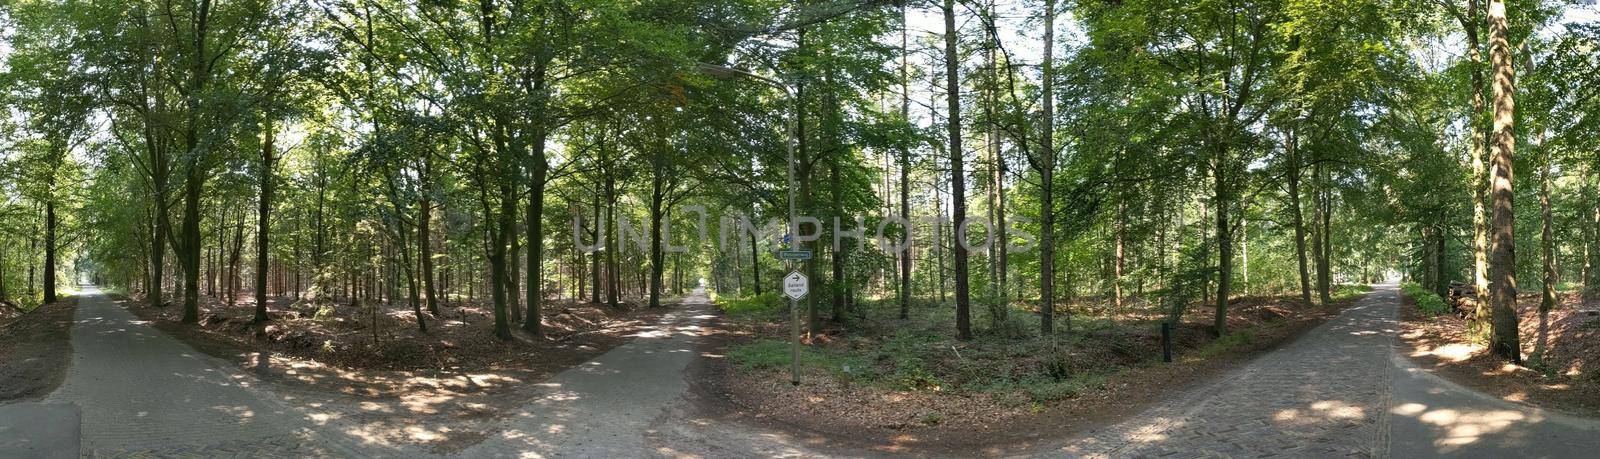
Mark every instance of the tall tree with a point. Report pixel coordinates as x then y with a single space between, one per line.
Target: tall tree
958 204
1045 164
1502 240
263 218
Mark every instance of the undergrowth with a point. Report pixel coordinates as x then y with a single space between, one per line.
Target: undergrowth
1428 302
1007 359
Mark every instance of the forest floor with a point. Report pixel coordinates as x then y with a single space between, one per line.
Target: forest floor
35 349
895 386
441 391
1570 380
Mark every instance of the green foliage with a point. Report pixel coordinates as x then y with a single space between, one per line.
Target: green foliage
1428 302
767 305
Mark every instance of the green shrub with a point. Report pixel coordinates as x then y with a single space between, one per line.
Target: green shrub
910 375
1428 302
764 305
1046 390
323 313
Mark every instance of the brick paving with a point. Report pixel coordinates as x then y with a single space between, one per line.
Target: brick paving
606 407
144 394
1324 395
1328 394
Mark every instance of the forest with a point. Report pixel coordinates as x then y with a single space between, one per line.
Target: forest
1124 160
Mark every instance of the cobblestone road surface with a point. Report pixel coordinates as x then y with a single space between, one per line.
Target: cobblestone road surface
141 393
1342 390
1323 395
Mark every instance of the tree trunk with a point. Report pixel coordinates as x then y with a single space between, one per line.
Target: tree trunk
594 258
1224 242
938 199
1480 177
1431 269
613 281
191 247
1244 253
755 265
839 253
997 198
957 175
1120 249
1327 283
404 247
1047 153
213 257
1292 145
1547 300
1591 283
5 296
1502 224
33 253
905 164
50 250
658 198
514 275
425 236
263 213
234 257
498 272
807 202
158 249
830 131
1321 216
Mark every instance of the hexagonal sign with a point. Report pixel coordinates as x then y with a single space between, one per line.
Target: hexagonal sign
795 285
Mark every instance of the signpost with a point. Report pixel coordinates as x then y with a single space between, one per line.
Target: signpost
795 286
796 255
791 126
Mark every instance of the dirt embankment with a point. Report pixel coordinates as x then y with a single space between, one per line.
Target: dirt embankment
1568 381
35 350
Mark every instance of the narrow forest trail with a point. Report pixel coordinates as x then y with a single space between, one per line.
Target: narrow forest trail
1342 390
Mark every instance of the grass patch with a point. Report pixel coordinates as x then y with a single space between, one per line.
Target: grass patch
770 354
759 306
1230 342
1347 291
1048 390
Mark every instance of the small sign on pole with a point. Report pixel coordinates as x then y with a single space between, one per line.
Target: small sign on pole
797 255
795 285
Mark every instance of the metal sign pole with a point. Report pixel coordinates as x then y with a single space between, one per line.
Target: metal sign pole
794 233
793 263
